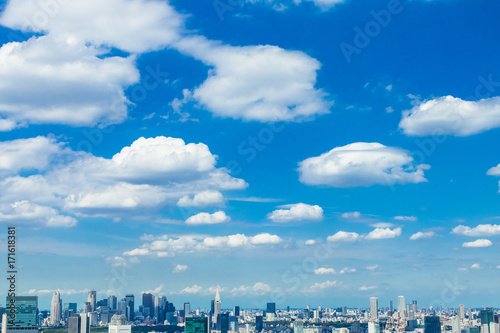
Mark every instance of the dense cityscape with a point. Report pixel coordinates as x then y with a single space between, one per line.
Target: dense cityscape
157 314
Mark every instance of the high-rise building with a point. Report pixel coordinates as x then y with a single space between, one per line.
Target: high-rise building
84 323
414 307
374 307
147 302
223 322
401 304
25 311
112 302
355 327
187 309
391 308
259 324
87 307
196 325
373 327
432 324
298 326
118 324
461 311
486 316
130 310
74 324
217 306
55 308
92 300
455 325
236 311
271 308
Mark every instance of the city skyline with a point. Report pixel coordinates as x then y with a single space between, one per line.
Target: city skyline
299 152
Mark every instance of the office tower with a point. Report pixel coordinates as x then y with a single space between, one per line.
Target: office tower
25 310
84 323
355 327
196 325
455 325
414 307
93 318
92 300
298 326
494 328
374 307
223 322
217 305
130 311
469 314
187 309
486 316
259 324
432 324
147 302
112 302
391 308
118 324
271 308
74 324
55 309
461 311
401 304
373 327
4 323
236 311
87 307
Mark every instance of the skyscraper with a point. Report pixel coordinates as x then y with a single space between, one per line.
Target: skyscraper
298 326
26 312
401 304
92 300
271 308
217 306
130 310
391 308
455 325
187 309
147 302
374 307
196 325
432 324
55 309
461 311
84 323
223 322
486 316
236 311
259 324
373 327
414 307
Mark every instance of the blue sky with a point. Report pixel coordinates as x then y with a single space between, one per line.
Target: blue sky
174 146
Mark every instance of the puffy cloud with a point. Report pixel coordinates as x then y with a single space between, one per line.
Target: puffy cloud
351 215
310 242
180 268
195 289
206 218
155 291
372 268
478 243
422 235
202 199
382 225
346 270
66 292
297 212
452 116
117 261
324 270
480 230
476 266
319 287
29 213
259 288
406 218
343 236
384 233
157 245
367 288
256 83
361 164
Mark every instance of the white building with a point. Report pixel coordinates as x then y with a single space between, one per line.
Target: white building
55 308
119 325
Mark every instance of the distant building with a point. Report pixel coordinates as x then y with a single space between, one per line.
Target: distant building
196 325
118 324
373 327
236 311
130 310
92 300
401 304
259 323
84 323
432 324
374 307
461 311
55 309
148 304
271 308
187 309
112 302
22 313
223 322
74 324
217 305
298 326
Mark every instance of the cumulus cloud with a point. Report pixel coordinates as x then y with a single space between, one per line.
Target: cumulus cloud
259 288
158 245
347 270
343 236
361 164
195 289
320 286
478 243
155 291
29 213
180 268
422 235
452 116
256 83
206 218
406 218
202 199
297 212
478 231
351 215
310 242
384 233
476 266
324 270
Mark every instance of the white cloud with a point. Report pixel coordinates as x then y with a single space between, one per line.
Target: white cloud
180 268
422 235
297 212
361 164
324 270
256 83
478 243
207 218
480 230
283 4
452 116
155 291
498 267
382 225
259 288
66 292
367 288
476 266
195 289
202 199
319 287
347 270
117 261
372 268
351 215
384 233
406 218
343 236
310 242
29 213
